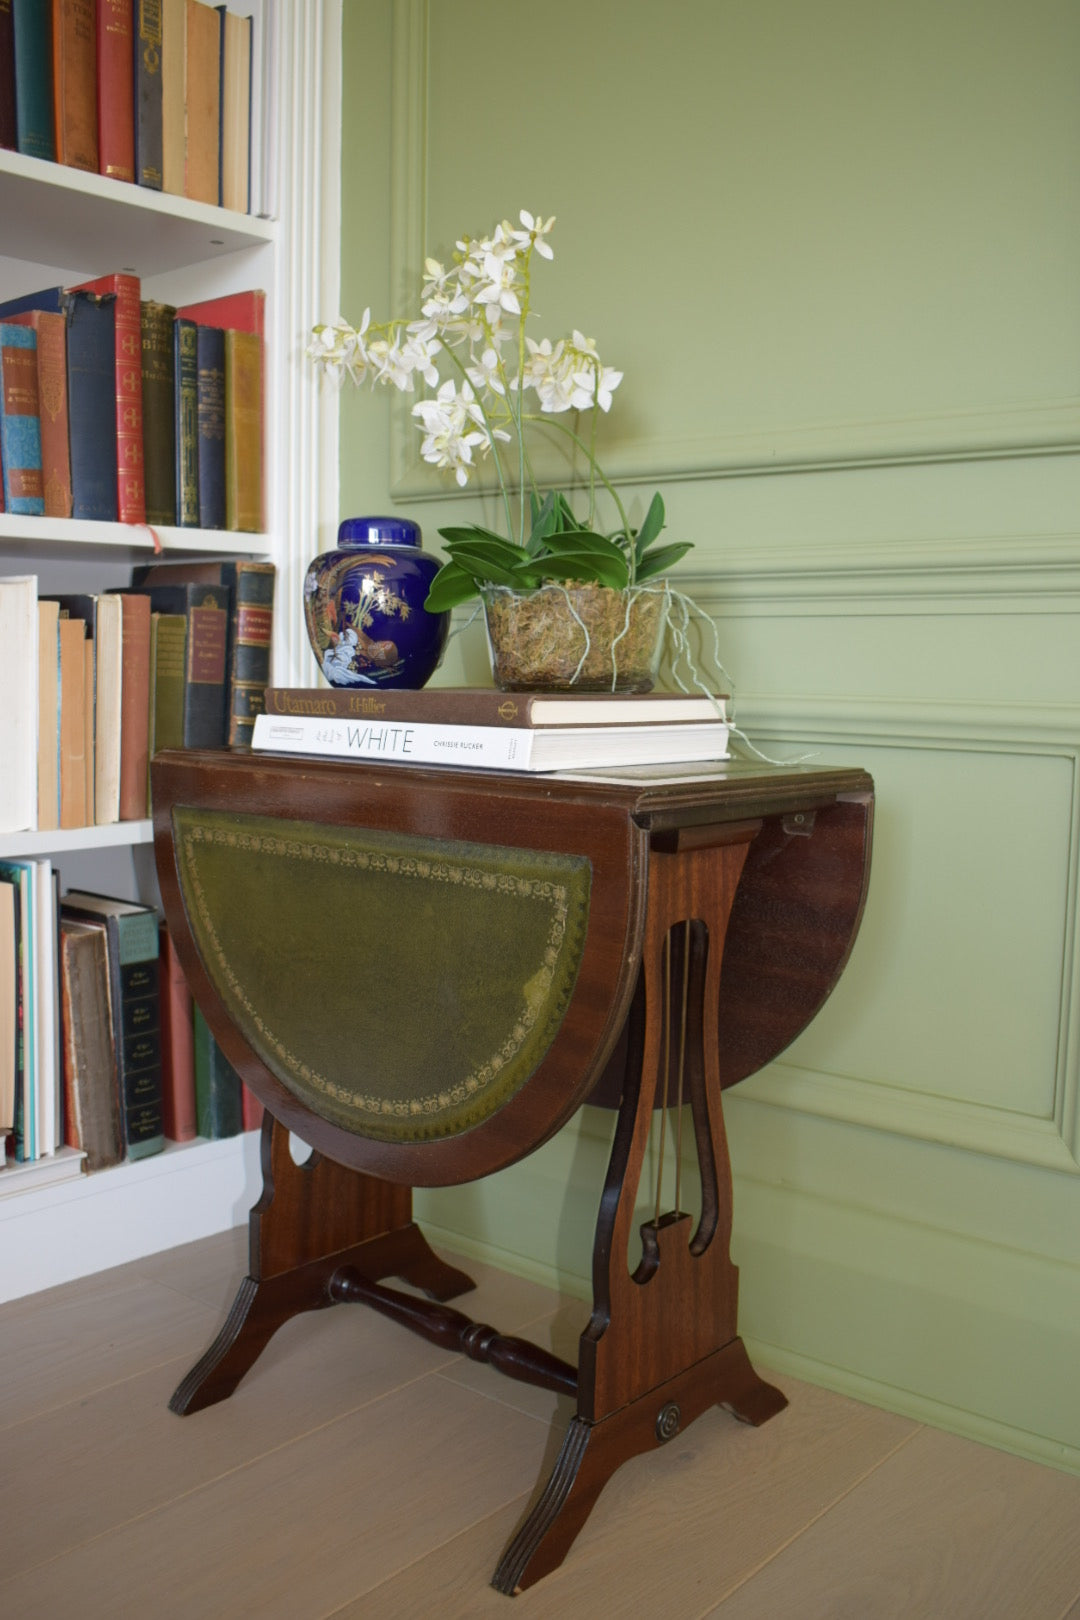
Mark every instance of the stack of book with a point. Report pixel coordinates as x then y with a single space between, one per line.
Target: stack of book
102 1050
86 434
175 96
93 685
478 728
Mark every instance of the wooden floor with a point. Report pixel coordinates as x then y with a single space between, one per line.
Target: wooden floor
360 1473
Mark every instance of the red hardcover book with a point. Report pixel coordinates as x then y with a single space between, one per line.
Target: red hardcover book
251 1109
116 89
177 1047
134 708
236 312
52 406
130 482
75 112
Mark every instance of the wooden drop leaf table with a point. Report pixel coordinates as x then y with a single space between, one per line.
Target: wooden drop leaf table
424 973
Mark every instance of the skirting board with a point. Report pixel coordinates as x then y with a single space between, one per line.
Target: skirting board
76 1228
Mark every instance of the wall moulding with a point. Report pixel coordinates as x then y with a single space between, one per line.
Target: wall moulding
1040 420
886 729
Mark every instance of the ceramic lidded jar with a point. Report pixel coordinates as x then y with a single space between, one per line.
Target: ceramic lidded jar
364 606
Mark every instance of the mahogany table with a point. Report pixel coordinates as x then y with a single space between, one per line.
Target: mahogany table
425 972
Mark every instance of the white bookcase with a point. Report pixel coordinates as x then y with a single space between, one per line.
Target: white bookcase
63 226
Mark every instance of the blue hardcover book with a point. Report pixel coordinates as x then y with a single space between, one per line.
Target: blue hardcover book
49 298
20 423
210 398
91 369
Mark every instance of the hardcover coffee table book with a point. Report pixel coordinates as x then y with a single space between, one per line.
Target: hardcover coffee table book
544 941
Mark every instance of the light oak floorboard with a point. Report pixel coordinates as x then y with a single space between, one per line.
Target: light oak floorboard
674 1528
944 1528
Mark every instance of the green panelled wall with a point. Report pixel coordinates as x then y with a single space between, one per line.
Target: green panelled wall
835 248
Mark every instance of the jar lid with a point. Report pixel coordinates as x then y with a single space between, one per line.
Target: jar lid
379 531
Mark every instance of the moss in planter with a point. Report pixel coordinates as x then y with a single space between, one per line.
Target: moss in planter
587 638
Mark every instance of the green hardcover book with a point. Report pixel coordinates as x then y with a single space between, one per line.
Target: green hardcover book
218 1104
131 933
35 134
159 411
185 337
168 634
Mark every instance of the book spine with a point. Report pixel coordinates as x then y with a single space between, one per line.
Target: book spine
235 122
168 633
237 312
187 424
177 1047
251 632
135 979
74 52
204 672
210 415
33 80
453 706
52 408
202 81
116 99
127 393
90 730
243 431
219 1110
20 428
173 48
159 412
48 751
147 92
72 723
406 743
9 137
91 1095
134 707
90 331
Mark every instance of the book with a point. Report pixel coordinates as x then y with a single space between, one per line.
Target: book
90 332
48 690
251 627
33 79
159 411
134 707
37 1113
243 431
488 706
48 1079
186 383
9 1007
16 875
147 93
49 326
218 1102
116 89
507 748
177 1047
235 110
202 102
173 52
92 1119
20 426
205 609
210 419
103 618
127 394
8 131
18 710
74 794
74 65
132 942
236 312
168 635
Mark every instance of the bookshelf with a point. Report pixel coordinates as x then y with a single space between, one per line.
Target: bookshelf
62 225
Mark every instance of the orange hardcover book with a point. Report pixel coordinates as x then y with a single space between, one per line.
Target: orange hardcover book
134 707
75 111
235 109
202 101
130 482
48 775
75 83
243 431
177 1047
52 406
73 778
89 730
116 89
173 54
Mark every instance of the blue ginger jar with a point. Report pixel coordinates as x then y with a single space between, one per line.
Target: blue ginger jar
364 606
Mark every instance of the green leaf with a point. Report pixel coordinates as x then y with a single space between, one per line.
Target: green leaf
450 586
650 529
585 565
543 522
662 558
585 540
474 531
